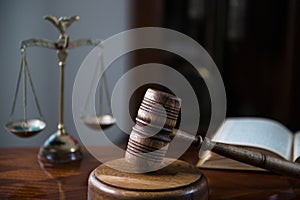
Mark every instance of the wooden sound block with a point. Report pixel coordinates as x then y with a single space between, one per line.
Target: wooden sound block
178 180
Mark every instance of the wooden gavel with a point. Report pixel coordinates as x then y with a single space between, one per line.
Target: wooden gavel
154 130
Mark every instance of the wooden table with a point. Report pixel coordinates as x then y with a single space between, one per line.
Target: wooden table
23 177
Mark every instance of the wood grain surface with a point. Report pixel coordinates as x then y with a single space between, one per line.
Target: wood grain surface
177 181
23 177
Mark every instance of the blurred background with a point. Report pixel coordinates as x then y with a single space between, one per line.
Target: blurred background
254 43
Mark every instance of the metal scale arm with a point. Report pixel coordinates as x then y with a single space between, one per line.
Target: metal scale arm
63 42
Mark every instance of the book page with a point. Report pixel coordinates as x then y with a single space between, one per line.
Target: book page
257 132
215 161
296 157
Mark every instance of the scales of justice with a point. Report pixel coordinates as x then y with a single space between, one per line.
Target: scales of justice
60 147
144 172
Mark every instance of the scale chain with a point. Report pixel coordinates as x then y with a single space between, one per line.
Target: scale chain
25 88
17 88
33 91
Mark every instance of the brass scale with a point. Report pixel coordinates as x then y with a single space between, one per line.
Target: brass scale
60 147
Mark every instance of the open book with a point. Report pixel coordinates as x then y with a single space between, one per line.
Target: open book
257 134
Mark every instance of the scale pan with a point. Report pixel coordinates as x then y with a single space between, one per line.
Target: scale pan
99 122
26 128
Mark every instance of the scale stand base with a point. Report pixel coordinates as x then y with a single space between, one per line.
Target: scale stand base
178 180
60 147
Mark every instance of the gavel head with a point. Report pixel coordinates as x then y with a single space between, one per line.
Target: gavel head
153 131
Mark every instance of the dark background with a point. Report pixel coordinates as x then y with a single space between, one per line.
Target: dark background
254 43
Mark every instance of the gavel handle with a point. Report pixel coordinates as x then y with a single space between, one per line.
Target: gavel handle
255 158
244 155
